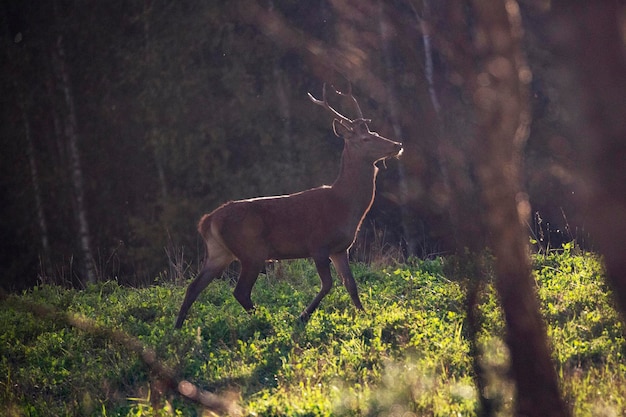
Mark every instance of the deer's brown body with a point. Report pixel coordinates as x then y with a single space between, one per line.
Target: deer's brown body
320 223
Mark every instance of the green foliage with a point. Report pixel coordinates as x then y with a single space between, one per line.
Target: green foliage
406 355
586 332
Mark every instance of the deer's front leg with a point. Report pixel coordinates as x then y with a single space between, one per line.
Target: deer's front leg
340 260
322 263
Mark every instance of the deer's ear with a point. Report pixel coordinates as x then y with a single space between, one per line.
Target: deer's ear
340 129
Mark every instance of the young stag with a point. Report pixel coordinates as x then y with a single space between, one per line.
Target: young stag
320 223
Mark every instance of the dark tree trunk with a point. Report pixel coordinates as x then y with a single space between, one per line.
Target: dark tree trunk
152 134
591 47
500 96
489 59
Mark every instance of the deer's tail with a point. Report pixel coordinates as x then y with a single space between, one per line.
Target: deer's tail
204 226
218 255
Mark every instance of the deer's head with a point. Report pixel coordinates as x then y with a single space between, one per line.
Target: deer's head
356 133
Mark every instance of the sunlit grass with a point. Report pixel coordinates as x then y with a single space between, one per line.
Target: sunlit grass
407 355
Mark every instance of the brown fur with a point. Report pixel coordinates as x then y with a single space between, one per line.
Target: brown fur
320 223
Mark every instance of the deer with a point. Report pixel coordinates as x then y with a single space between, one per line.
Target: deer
320 223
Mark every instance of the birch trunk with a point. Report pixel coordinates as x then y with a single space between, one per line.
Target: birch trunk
34 174
76 171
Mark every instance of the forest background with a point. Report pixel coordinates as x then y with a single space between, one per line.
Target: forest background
123 122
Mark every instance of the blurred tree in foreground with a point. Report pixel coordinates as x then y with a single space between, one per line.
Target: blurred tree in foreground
590 42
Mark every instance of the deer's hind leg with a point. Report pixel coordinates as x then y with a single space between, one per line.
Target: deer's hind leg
250 270
213 267
203 279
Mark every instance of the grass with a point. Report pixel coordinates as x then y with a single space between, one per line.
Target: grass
407 355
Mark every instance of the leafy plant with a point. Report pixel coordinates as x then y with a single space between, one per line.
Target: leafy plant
406 355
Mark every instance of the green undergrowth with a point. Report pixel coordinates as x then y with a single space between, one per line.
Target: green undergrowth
408 355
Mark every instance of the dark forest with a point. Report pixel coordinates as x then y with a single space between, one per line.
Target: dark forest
122 123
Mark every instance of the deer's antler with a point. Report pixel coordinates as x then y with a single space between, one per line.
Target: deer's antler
356 103
324 103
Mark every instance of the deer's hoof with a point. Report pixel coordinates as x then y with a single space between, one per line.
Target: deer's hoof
304 318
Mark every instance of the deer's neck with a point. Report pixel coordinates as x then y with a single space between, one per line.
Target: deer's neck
356 182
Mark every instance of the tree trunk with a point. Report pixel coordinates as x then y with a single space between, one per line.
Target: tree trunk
34 174
496 76
500 95
590 42
76 172
152 134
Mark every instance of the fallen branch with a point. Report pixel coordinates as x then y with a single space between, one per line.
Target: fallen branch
165 375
